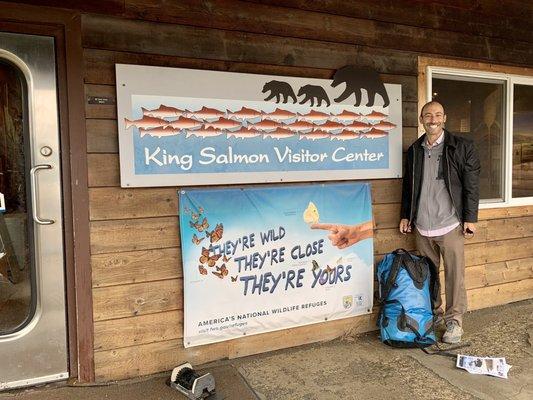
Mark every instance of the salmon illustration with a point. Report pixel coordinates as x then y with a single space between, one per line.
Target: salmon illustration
164 112
347 116
374 133
313 116
159 132
205 132
206 113
243 133
184 123
375 116
301 126
280 133
330 126
244 114
315 135
265 126
357 126
146 123
279 115
384 126
223 123
345 135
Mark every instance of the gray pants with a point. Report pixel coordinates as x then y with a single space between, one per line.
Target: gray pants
451 247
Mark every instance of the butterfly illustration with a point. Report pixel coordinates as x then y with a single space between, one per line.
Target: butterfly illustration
205 255
222 269
216 234
213 260
226 259
195 239
315 265
187 210
195 217
220 275
202 270
329 269
234 279
206 258
199 227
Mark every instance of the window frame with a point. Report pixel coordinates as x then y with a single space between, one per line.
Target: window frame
509 81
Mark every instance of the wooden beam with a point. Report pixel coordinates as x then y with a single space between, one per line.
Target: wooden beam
135 361
141 329
303 24
102 135
509 22
113 269
137 299
103 170
118 203
114 34
134 234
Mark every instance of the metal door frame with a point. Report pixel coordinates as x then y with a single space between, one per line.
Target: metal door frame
66 27
38 352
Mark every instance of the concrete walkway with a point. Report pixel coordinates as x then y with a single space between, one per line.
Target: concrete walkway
352 368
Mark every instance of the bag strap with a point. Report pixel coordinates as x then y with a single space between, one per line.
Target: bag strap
444 352
391 280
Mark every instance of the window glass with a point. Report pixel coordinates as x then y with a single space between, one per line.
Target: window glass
475 109
522 141
17 300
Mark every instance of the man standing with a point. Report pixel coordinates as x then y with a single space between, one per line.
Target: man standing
440 198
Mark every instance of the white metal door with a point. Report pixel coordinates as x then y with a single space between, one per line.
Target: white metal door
33 345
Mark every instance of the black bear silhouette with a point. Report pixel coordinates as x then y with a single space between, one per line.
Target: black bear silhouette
312 93
278 89
357 78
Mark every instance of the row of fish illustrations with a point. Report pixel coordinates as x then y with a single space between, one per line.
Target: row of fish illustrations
248 123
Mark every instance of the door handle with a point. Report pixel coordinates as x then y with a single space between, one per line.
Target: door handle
33 173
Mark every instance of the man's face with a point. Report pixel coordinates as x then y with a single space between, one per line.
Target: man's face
433 119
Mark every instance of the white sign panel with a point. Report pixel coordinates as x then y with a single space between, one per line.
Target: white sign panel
192 127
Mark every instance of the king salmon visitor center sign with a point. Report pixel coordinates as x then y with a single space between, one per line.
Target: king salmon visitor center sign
194 127
259 259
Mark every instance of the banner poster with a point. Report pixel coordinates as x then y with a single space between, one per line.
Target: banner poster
260 259
185 127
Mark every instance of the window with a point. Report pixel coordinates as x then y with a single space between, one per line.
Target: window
522 141
494 110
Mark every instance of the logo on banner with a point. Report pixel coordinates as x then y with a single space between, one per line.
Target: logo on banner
347 301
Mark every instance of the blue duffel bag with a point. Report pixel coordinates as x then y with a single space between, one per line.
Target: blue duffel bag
408 286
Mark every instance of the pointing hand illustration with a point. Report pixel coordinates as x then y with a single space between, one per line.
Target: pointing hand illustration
343 236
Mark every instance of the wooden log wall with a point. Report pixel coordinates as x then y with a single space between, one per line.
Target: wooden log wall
135 247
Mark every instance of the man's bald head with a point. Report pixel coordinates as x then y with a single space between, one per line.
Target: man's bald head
429 103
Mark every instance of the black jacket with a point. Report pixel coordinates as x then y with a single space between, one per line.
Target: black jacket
460 164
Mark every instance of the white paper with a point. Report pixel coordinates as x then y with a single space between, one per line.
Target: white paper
493 366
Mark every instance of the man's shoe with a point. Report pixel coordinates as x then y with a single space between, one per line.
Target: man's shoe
453 332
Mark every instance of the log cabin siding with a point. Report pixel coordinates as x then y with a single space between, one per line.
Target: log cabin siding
135 247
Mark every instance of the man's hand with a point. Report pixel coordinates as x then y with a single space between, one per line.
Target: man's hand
342 236
469 228
405 226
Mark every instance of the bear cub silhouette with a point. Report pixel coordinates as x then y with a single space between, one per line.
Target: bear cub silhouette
357 78
312 93
279 89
